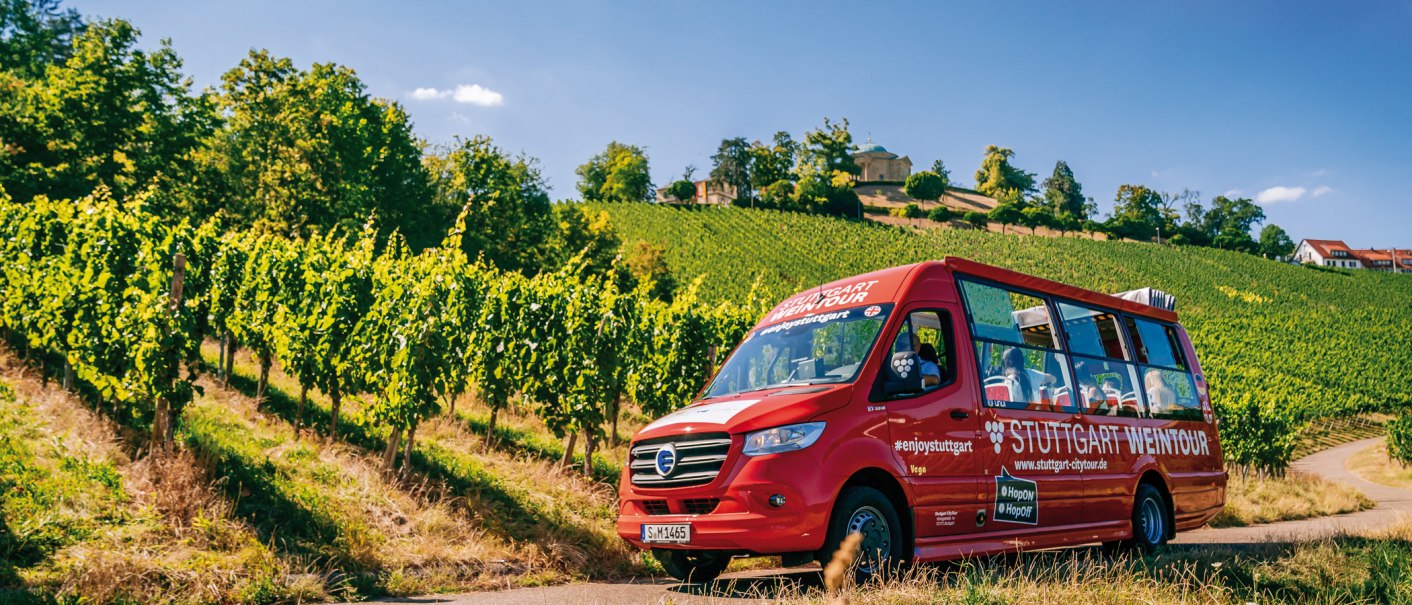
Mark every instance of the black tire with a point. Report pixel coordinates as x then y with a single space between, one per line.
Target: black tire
1151 521
692 566
867 511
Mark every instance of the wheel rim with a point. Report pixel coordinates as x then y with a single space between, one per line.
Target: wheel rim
1151 516
877 538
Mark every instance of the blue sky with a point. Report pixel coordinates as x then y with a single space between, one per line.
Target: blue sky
1305 107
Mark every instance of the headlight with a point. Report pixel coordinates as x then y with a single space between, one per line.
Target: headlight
783 438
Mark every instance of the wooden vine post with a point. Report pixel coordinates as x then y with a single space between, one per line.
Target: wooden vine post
162 433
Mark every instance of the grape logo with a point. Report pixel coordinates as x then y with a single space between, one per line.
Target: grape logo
666 460
903 365
996 430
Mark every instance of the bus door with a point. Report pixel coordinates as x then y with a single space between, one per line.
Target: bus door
935 432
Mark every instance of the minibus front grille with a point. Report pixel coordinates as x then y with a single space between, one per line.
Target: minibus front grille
656 507
699 460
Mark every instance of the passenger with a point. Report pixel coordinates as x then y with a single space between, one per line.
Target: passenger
1160 396
1088 386
930 365
1012 366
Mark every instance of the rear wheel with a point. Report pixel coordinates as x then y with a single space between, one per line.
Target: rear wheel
1150 521
866 511
692 566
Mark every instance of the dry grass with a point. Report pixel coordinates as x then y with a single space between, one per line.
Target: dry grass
1255 497
150 531
1375 465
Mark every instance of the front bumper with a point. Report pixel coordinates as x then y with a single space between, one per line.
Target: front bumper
743 521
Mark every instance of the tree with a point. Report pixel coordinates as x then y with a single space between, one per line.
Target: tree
911 210
1063 194
976 219
925 185
773 163
310 150
1275 243
585 237
508 216
732 165
997 176
618 174
647 263
1007 212
942 214
1035 216
105 112
35 34
778 194
1136 213
939 167
682 191
824 174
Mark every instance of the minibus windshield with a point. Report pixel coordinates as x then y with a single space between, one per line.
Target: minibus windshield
821 348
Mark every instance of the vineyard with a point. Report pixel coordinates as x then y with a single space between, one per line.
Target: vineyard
123 301
1282 345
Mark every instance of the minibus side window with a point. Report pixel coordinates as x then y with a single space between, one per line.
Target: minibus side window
1168 385
1107 383
1092 332
1017 354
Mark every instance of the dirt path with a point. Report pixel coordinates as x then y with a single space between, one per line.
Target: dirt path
1393 505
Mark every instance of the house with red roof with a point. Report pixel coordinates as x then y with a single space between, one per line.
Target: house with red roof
1335 253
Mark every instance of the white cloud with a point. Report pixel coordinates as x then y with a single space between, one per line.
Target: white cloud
1233 193
1321 190
1279 194
1318 173
470 94
458 118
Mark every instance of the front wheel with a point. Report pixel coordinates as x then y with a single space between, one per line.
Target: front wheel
866 511
1149 520
692 566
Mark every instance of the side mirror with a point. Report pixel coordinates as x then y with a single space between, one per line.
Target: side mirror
904 374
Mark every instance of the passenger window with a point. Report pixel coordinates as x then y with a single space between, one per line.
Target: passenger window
1156 344
1171 394
926 333
1092 332
1022 378
1010 317
1108 388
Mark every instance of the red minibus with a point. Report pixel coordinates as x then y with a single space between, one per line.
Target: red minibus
944 409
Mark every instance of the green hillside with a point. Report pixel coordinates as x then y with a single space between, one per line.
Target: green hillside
1279 342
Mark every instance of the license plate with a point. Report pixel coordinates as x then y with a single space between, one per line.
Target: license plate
677 533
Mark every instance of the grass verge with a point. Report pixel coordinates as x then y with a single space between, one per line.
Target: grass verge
1255 497
1375 465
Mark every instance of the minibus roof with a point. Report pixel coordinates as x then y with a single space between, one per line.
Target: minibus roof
887 285
1039 284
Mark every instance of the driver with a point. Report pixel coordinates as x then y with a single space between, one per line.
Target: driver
929 365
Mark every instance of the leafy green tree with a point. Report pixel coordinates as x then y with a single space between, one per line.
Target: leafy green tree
1137 213
778 194
1007 212
682 191
618 174
976 219
1035 216
825 172
939 167
586 237
1063 194
732 165
304 151
110 113
1275 243
508 216
996 175
942 214
774 162
35 34
911 210
925 185
832 146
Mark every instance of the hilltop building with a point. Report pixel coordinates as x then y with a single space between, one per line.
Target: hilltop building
1335 253
707 192
880 165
